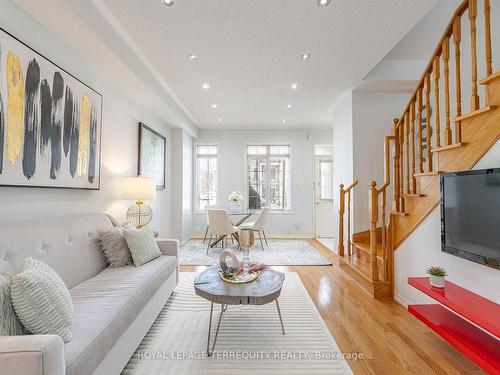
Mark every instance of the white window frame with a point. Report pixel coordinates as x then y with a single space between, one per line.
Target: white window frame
197 191
269 156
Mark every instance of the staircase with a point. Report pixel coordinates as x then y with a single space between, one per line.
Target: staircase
424 142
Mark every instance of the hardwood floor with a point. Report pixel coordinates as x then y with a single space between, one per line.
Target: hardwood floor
391 339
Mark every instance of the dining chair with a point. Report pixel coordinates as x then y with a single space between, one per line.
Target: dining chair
209 207
220 226
259 225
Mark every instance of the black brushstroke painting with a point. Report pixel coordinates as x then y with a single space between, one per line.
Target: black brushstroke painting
31 118
73 141
69 120
45 116
56 120
92 144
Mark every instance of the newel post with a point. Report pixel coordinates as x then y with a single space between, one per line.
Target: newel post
373 213
341 220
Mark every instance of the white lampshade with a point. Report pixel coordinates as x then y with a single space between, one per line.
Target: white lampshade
139 188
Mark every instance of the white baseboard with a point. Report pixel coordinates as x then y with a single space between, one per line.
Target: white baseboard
401 300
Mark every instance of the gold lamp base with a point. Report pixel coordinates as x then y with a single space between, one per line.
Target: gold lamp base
139 214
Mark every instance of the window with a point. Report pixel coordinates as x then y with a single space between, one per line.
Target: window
325 179
206 172
269 176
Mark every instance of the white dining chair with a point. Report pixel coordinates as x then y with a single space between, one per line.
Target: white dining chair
209 207
220 226
259 225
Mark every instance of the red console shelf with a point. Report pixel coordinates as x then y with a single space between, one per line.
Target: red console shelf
455 327
477 309
470 340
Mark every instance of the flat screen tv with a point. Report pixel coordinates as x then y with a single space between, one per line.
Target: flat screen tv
470 215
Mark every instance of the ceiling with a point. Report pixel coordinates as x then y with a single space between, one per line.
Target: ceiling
249 52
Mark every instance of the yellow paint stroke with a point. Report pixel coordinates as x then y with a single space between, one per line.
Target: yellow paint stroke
15 107
83 143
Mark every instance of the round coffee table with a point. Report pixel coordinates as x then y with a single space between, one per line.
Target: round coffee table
265 289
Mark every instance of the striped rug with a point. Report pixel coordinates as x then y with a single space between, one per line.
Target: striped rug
250 339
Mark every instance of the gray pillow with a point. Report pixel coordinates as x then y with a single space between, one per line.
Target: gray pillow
42 301
142 245
114 247
9 324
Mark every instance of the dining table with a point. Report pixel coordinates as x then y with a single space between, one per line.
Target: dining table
242 215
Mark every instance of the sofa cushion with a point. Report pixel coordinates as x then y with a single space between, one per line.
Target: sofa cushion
9 323
114 247
105 306
142 245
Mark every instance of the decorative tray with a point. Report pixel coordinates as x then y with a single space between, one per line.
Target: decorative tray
238 279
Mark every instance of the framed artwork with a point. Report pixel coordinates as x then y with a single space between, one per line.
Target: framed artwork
152 154
50 122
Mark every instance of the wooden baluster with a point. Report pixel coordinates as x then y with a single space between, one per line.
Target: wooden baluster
373 207
428 128
401 166
474 101
420 141
384 234
487 35
437 74
349 247
396 165
407 147
446 58
457 37
412 134
341 219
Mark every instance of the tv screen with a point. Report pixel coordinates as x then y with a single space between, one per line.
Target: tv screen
470 215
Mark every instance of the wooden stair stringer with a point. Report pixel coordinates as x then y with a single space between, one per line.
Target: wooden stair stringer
479 133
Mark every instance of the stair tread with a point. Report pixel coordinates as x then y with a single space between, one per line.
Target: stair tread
475 113
365 246
448 147
362 267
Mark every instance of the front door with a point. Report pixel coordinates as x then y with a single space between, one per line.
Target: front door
323 196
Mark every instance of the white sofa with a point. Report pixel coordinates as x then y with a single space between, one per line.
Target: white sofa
113 307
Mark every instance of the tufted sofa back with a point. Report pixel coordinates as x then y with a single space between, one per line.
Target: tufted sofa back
67 243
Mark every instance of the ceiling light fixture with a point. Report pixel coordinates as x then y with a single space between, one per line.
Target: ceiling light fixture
283 121
289 106
220 120
168 3
193 57
294 86
214 106
305 56
324 3
205 86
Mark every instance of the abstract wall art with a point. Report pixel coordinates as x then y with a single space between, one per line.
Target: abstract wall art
152 153
50 122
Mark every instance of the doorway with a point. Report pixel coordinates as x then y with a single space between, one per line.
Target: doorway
323 191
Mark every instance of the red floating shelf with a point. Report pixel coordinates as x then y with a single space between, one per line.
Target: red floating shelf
476 344
477 309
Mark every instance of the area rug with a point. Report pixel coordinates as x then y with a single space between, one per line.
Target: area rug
278 253
250 340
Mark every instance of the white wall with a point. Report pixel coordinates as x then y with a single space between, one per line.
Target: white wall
423 248
232 170
119 140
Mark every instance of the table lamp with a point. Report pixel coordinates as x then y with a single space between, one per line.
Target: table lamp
139 189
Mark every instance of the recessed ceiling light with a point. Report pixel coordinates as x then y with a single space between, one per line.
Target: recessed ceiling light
205 86
324 3
193 57
220 120
305 56
289 106
214 106
294 86
168 3
283 121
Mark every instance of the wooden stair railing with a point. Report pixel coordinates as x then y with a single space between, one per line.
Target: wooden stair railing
424 142
345 192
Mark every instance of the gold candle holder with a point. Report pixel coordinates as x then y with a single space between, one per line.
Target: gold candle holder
246 238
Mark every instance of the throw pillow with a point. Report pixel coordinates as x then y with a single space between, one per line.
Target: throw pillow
42 301
142 245
9 324
114 247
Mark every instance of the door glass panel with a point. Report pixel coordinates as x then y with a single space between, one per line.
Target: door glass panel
326 188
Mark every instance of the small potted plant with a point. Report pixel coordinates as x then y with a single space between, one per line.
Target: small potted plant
235 199
437 275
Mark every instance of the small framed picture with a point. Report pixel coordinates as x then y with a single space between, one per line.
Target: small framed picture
152 155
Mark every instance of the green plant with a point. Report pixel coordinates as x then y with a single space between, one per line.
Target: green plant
436 271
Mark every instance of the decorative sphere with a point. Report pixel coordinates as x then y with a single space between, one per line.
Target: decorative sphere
139 215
